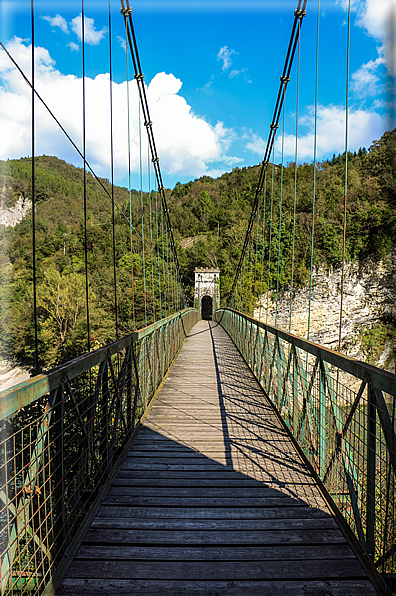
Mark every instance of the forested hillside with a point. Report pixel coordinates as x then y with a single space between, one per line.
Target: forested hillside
209 218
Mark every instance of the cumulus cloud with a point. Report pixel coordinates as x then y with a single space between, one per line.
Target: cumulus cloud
186 143
378 18
225 55
122 42
255 143
73 46
57 21
364 127
91 35
365 79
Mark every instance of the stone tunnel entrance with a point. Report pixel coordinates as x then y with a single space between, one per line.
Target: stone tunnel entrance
207 308
207 291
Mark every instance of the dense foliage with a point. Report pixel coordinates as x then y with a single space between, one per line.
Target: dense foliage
211 214
221 209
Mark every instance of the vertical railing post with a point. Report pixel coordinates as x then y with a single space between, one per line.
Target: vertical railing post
104 440
279 371
59 483
322 423
129 377
371 456
137 386
295 391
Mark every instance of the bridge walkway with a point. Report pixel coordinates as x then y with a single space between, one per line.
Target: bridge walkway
213 498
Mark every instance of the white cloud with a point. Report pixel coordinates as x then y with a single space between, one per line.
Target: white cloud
185 141
91 35
73 46
225 55
365 79
122 41
186 144
378 18
375 17
57 21
255 143
345 4
364 127
226 135
216 173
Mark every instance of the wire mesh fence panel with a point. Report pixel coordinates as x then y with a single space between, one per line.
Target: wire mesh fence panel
63 437
342 414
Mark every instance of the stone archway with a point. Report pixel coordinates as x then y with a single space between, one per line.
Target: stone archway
207 308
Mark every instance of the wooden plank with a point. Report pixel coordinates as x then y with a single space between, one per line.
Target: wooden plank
213 537
195 492
211 570
163 501
218 553
345 587
195 473
151 480
280 518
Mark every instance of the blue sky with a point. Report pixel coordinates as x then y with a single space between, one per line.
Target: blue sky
212 70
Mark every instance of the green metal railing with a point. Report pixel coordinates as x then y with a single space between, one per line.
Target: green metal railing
342 414
63 436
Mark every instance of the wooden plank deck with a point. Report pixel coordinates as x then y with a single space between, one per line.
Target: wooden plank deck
213 497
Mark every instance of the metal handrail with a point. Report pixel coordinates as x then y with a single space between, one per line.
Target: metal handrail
63 437
341 412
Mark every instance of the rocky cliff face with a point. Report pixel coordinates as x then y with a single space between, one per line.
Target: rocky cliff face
13 215
369 300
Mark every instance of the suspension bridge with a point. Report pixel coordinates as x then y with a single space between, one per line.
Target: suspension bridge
190 456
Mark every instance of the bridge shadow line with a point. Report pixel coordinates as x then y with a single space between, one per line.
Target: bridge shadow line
226 435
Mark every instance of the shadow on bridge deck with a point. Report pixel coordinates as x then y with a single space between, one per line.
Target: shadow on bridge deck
213 497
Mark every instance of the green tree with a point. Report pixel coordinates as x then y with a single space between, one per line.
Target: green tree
61 300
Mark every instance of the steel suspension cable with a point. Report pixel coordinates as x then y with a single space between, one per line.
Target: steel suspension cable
151 234
142 215
127 13
346 175
280 217
163 263
314 169
257 241
262 249
251 273
299 13
158 257
112 176
35 321
295 181
85 176
129 190
167 264
270 235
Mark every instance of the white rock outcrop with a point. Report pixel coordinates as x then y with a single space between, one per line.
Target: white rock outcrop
369 294
13 215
